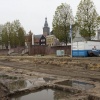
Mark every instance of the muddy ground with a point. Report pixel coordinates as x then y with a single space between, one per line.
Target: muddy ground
85 69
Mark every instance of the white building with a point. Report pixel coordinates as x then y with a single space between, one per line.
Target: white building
79 38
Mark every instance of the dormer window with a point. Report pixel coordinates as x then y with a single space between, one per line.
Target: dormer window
43 40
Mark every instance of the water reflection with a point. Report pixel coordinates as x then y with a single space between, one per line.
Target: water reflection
77 84
46 94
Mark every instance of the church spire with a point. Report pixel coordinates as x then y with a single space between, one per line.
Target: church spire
46 23
46 29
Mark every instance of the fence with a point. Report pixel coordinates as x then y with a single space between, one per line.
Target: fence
4 51
46 50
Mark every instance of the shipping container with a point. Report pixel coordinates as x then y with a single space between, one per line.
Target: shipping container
85 49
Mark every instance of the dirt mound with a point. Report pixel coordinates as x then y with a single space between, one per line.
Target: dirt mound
3 92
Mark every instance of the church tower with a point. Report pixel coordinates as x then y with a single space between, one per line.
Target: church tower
46 29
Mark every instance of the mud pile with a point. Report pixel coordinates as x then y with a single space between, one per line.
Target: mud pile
3 92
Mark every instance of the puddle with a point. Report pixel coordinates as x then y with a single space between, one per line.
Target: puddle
45 94
77 84
21 84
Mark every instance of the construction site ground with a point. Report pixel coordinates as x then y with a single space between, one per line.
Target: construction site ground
78 68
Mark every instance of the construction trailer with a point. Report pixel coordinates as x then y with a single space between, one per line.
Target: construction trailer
85 49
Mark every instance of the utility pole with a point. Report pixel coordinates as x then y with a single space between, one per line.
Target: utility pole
71 40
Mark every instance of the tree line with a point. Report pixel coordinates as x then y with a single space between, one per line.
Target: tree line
13 34
86 21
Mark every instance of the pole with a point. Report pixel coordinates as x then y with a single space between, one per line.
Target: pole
9 45
32 39
71 40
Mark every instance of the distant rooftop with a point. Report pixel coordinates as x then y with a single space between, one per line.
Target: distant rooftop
38 36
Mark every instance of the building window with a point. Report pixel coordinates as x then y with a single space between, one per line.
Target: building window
43 40
43 44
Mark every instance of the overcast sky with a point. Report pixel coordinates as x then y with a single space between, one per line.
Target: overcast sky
32 13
